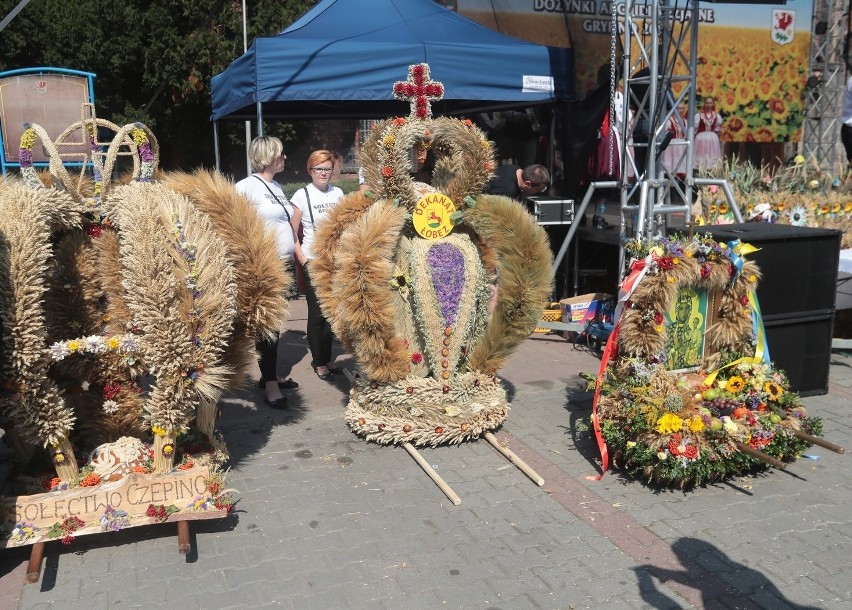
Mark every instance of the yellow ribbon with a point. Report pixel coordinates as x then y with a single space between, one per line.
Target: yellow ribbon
761 349
744 249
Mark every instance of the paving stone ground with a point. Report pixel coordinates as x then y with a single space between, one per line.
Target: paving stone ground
326 520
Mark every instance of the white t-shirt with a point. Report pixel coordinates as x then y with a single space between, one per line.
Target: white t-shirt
272 205
320 204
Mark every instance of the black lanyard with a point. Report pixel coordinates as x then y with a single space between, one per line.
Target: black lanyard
310 209
274 197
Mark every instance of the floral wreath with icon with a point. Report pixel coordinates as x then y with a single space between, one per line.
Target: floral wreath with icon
430 316
681 429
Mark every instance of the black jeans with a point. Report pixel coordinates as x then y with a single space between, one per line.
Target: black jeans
319 330
268 360
846 138
640 151
267 350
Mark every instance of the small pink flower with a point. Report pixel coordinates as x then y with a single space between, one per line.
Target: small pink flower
416 358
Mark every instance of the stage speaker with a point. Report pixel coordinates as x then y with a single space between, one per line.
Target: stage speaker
796 295
801 347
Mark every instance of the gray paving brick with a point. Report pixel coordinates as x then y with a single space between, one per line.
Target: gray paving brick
93 599
323 600
153 593
656 600
378 533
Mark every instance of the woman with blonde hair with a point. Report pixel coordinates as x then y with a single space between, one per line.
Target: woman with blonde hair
314 201
267 158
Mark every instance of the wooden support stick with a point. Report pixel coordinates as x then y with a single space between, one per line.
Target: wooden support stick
815 440
512 457
774 462
183 537
34 566
441 483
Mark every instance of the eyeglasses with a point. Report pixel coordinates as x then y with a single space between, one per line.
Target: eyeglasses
322 170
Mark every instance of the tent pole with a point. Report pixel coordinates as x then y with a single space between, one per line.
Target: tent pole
216 145
248 123
259 121
248 144
550 143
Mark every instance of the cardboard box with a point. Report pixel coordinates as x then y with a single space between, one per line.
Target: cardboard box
583 307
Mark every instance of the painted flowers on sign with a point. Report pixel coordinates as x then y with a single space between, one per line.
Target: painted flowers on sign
758 86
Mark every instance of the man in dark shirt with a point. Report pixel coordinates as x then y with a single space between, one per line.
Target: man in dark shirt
517 183
639 101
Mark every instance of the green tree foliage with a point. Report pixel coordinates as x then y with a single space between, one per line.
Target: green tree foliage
153 59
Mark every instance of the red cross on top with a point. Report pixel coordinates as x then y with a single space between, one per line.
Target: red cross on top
419 90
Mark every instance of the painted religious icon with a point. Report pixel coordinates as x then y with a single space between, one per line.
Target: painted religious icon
686 320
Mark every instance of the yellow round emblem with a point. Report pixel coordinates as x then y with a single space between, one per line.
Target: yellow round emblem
431 216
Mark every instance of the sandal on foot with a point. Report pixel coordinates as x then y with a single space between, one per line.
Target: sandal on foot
325 376
278 403
287 384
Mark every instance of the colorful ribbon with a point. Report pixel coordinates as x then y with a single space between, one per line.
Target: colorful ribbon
609 350
761 348
738 251
638 269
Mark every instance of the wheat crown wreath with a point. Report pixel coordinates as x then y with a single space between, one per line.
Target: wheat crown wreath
429 286
90 323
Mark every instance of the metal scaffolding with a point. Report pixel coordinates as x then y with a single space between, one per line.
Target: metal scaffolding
660 44
825 85
658 59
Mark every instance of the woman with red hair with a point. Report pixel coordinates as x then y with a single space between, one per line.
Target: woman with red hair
314 201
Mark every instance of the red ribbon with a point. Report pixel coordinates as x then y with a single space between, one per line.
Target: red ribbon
609 350
628 286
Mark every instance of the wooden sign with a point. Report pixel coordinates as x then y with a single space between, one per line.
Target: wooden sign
51 100
108 507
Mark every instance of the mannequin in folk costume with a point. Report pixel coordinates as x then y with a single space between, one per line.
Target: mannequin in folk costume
674 156
708 125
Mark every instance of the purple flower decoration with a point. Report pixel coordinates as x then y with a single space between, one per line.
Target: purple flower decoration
447 265
145 152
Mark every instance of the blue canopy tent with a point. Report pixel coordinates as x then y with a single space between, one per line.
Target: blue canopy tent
343 56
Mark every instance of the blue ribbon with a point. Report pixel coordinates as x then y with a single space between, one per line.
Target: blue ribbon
737 260
761 350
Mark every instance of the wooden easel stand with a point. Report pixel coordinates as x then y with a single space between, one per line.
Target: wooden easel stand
512 457
774 462
439 481
184 547
815 440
